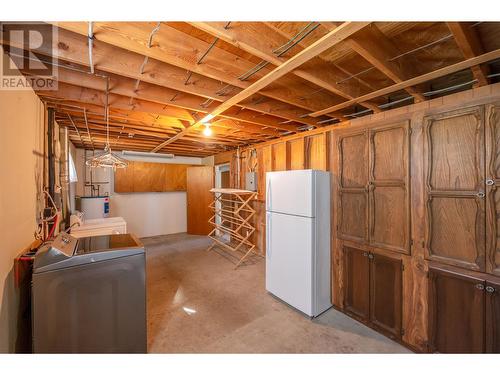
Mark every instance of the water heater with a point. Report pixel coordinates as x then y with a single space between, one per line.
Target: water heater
94 207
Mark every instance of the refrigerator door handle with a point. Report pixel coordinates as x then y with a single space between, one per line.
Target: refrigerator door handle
268 236
268 196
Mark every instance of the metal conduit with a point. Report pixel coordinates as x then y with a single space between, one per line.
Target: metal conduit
146 59
428 93
280 51
207 51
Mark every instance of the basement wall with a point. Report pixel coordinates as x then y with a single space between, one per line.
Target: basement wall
146 214
21 144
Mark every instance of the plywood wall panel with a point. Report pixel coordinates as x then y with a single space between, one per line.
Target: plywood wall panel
316 152
295 154
124 179
264 164
150 177
279 157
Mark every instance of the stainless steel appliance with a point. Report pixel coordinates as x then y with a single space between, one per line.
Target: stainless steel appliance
89 295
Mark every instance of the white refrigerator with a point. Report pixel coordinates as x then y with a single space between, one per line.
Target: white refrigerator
298 239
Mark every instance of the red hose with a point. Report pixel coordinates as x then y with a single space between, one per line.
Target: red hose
53 227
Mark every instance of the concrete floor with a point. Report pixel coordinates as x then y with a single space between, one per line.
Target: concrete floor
197 303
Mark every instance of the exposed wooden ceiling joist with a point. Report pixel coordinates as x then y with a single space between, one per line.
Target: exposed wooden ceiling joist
470 46
183 52
340 33
256 39
416 80
72 48
378 50
162 89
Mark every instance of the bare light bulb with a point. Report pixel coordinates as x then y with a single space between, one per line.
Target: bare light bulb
207 131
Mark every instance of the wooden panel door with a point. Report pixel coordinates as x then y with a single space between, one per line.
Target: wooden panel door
456 313
389 224
493 317
386 294
493 189
455 188
357 283
199 182
353 187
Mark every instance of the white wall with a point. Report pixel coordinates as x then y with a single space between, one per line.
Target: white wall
151 214
21 144
146 214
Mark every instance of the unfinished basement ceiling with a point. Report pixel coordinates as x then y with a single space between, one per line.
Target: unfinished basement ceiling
160 78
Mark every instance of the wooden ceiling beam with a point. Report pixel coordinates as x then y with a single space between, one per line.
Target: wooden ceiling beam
161 95
117 133
129 116
118 146
329 40
377 49
230 135
229 126
72 48
489 56
100 137
182 51
95 97
260 40
469 44
160 122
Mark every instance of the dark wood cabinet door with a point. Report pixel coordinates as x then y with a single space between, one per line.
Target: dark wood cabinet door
357 283
353 187
389 210
492 317
386 294
456 313
455 188
493 189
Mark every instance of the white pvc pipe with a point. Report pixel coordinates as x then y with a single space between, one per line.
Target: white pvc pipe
91 45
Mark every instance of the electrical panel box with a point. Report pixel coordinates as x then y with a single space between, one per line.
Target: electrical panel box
251 181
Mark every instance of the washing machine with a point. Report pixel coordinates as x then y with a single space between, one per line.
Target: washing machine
89 295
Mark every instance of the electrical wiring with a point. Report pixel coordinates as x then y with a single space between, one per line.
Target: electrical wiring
54 225
53 206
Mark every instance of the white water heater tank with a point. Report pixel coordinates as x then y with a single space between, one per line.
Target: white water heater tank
94 207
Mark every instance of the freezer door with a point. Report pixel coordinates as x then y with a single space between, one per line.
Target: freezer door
290 192
289 259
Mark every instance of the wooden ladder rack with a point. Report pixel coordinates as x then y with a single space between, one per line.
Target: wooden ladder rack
231 219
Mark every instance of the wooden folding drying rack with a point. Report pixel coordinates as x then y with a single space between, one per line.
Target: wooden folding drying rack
233 230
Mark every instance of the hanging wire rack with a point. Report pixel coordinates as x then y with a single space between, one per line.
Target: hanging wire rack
107 159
